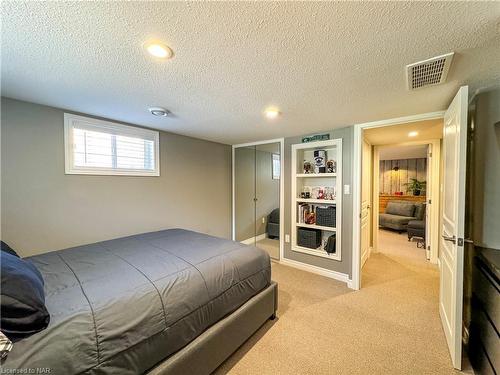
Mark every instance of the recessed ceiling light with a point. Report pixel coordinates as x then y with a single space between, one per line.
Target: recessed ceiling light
412 134
159 50
272 113
159 111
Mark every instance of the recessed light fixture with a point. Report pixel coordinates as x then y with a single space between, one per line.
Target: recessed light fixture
159 50
272 113
159 111
412 134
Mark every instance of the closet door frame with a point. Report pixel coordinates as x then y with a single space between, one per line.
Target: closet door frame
281 141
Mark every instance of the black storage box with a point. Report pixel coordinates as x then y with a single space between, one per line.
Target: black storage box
310 238
326 216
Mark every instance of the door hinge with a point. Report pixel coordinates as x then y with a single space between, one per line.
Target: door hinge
430 154
430 201
429 247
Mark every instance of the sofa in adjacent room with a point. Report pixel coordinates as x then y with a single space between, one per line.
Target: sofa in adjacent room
398 214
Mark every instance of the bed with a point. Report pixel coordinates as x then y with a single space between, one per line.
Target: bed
166 302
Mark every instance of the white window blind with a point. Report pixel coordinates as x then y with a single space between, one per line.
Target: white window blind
105 148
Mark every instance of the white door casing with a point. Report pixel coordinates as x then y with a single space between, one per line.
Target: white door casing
365 202
427 217
451 253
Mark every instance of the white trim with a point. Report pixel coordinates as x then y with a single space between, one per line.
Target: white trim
281 141
375 196
401 120
112 128
317 270
366 256
252 240
356 190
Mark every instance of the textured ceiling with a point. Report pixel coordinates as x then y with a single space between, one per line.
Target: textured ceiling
325 65
389 135
403 152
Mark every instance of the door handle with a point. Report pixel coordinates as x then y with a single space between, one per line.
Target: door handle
451 239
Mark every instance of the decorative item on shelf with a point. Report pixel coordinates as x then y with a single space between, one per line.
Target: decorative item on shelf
330 246
315 192
319 161
307 167
316 137
321 193
330 192
331 166
306 192
310 217
416 186
305 211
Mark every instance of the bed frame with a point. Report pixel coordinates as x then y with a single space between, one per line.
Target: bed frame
205 353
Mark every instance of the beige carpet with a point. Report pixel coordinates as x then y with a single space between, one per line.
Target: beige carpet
391 326
272 246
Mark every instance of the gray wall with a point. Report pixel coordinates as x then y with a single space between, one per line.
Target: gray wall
43 209
253 178
344 266
486 170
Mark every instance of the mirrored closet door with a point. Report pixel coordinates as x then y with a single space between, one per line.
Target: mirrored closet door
257 170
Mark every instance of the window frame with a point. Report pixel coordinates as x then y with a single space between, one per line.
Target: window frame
112 128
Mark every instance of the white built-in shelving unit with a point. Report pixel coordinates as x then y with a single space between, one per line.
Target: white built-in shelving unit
305 151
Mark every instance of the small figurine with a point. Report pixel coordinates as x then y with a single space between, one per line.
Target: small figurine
307 167
331 166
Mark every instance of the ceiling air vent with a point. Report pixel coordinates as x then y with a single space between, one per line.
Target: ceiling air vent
428 72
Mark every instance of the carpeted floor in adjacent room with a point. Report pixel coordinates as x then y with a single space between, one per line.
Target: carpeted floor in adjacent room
391 326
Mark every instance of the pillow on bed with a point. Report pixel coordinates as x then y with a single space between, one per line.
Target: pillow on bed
8 249
23 310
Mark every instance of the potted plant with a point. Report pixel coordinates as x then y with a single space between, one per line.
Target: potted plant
416 186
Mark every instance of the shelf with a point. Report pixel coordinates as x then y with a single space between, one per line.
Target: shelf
300 153
314 226
311 200
304 175
318 252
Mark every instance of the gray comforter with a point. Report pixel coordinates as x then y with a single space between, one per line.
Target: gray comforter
121 306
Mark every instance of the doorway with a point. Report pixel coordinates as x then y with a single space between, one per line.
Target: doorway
257 196
400 196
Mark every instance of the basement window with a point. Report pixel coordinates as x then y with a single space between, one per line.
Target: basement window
97 147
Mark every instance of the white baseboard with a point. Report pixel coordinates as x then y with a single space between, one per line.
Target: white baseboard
318 270
252 240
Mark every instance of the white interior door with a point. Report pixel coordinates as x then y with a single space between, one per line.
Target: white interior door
452 250
366 202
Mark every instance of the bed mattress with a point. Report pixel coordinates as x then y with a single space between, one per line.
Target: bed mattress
121 306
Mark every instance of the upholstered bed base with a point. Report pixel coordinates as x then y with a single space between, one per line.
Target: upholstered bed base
204 354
